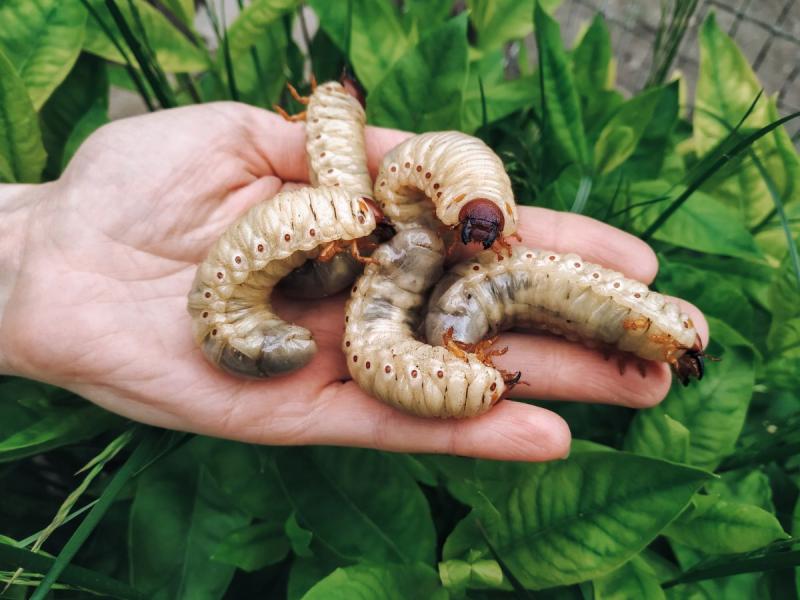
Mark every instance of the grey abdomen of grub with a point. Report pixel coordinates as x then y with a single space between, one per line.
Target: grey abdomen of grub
412 259
315 279
284 349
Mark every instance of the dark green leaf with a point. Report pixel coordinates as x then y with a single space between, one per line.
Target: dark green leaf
634 579
591 60
424 89
299 537
379 582
334 493
659 437
421 15
42 39
253 547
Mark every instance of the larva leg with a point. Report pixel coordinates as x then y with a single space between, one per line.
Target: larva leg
301 116
304 100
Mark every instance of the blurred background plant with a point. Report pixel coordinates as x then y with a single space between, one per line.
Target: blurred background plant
698 165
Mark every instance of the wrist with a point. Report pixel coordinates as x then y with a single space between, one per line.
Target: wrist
17 203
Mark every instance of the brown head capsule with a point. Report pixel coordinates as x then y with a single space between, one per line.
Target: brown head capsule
691 364
384 228
480 221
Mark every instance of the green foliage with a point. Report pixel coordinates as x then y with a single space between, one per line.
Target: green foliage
635 512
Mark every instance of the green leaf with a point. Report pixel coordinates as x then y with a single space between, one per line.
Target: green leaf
174 52
42 40
702 223
564 522
379 582
713 410
183 9
377 37
424 89
498 21
659 437
254 22
94 119
502 99
253 547
564 125
622 133
335 495
718 526
725 89
261 83
22 154
421 15
634 579
305 573
299 537
591 60
179 518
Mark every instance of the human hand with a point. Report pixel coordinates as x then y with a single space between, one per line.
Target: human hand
97 300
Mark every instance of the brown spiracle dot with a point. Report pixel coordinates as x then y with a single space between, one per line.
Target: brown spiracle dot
393 169
238 260
355 357
419 168
577 265
321 154
529 255
596 275
347 343
312 232
407 165
414 373
428 175
346 319
476 268
637 295
383 183
330 170
260 247
361 218
220 275
368 364
207 294
616 284
469 296
213 332
287 237
387 369
355 287
440 373
551 257
336 184
319 135
316 120
686 324
205 314
438 194
436 186
493 387
500 257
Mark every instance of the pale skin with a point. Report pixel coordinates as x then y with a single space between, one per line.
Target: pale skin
95 268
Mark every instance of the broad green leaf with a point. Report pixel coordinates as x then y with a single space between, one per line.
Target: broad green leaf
502 99
567 521
717 526
714 409
424 89
622 133
655 155
261 83
784 336
377 38
744 486
784 291
84 90
94 119
748 586
22 154
591 60
174 51
460 574
334 493
421 15
379 582
726 88
702 223
254 22
305 573
183 9
253 547
179 518
564 125
498 21
634 579
662 437
42 39
299 537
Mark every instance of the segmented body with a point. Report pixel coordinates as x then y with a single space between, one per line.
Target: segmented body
449 168
337 157
383 355
562 294
232 318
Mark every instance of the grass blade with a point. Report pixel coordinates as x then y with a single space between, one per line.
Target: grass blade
771 561
711 170
222 40
150 53
582 195
150 445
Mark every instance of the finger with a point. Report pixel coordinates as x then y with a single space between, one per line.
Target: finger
281 144
344 415
592 240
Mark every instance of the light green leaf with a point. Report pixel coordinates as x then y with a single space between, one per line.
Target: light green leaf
564 522
377 38
22 154
498 21
305 573
634 579
502 99
714 409
253 547
42 40
334 493
179 518
254 22
564 125
175 53
662 437
702 223
622 133
379 582
183 9
423 90
591 60
262 86
717 526
421 15
726 88
744 486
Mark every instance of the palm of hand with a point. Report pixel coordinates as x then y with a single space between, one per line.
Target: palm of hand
119 237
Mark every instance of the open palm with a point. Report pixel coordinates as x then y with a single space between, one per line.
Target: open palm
100 304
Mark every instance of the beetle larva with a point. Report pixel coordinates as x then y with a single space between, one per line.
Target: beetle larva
564 295
385 358
337 157
463 178
232 318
